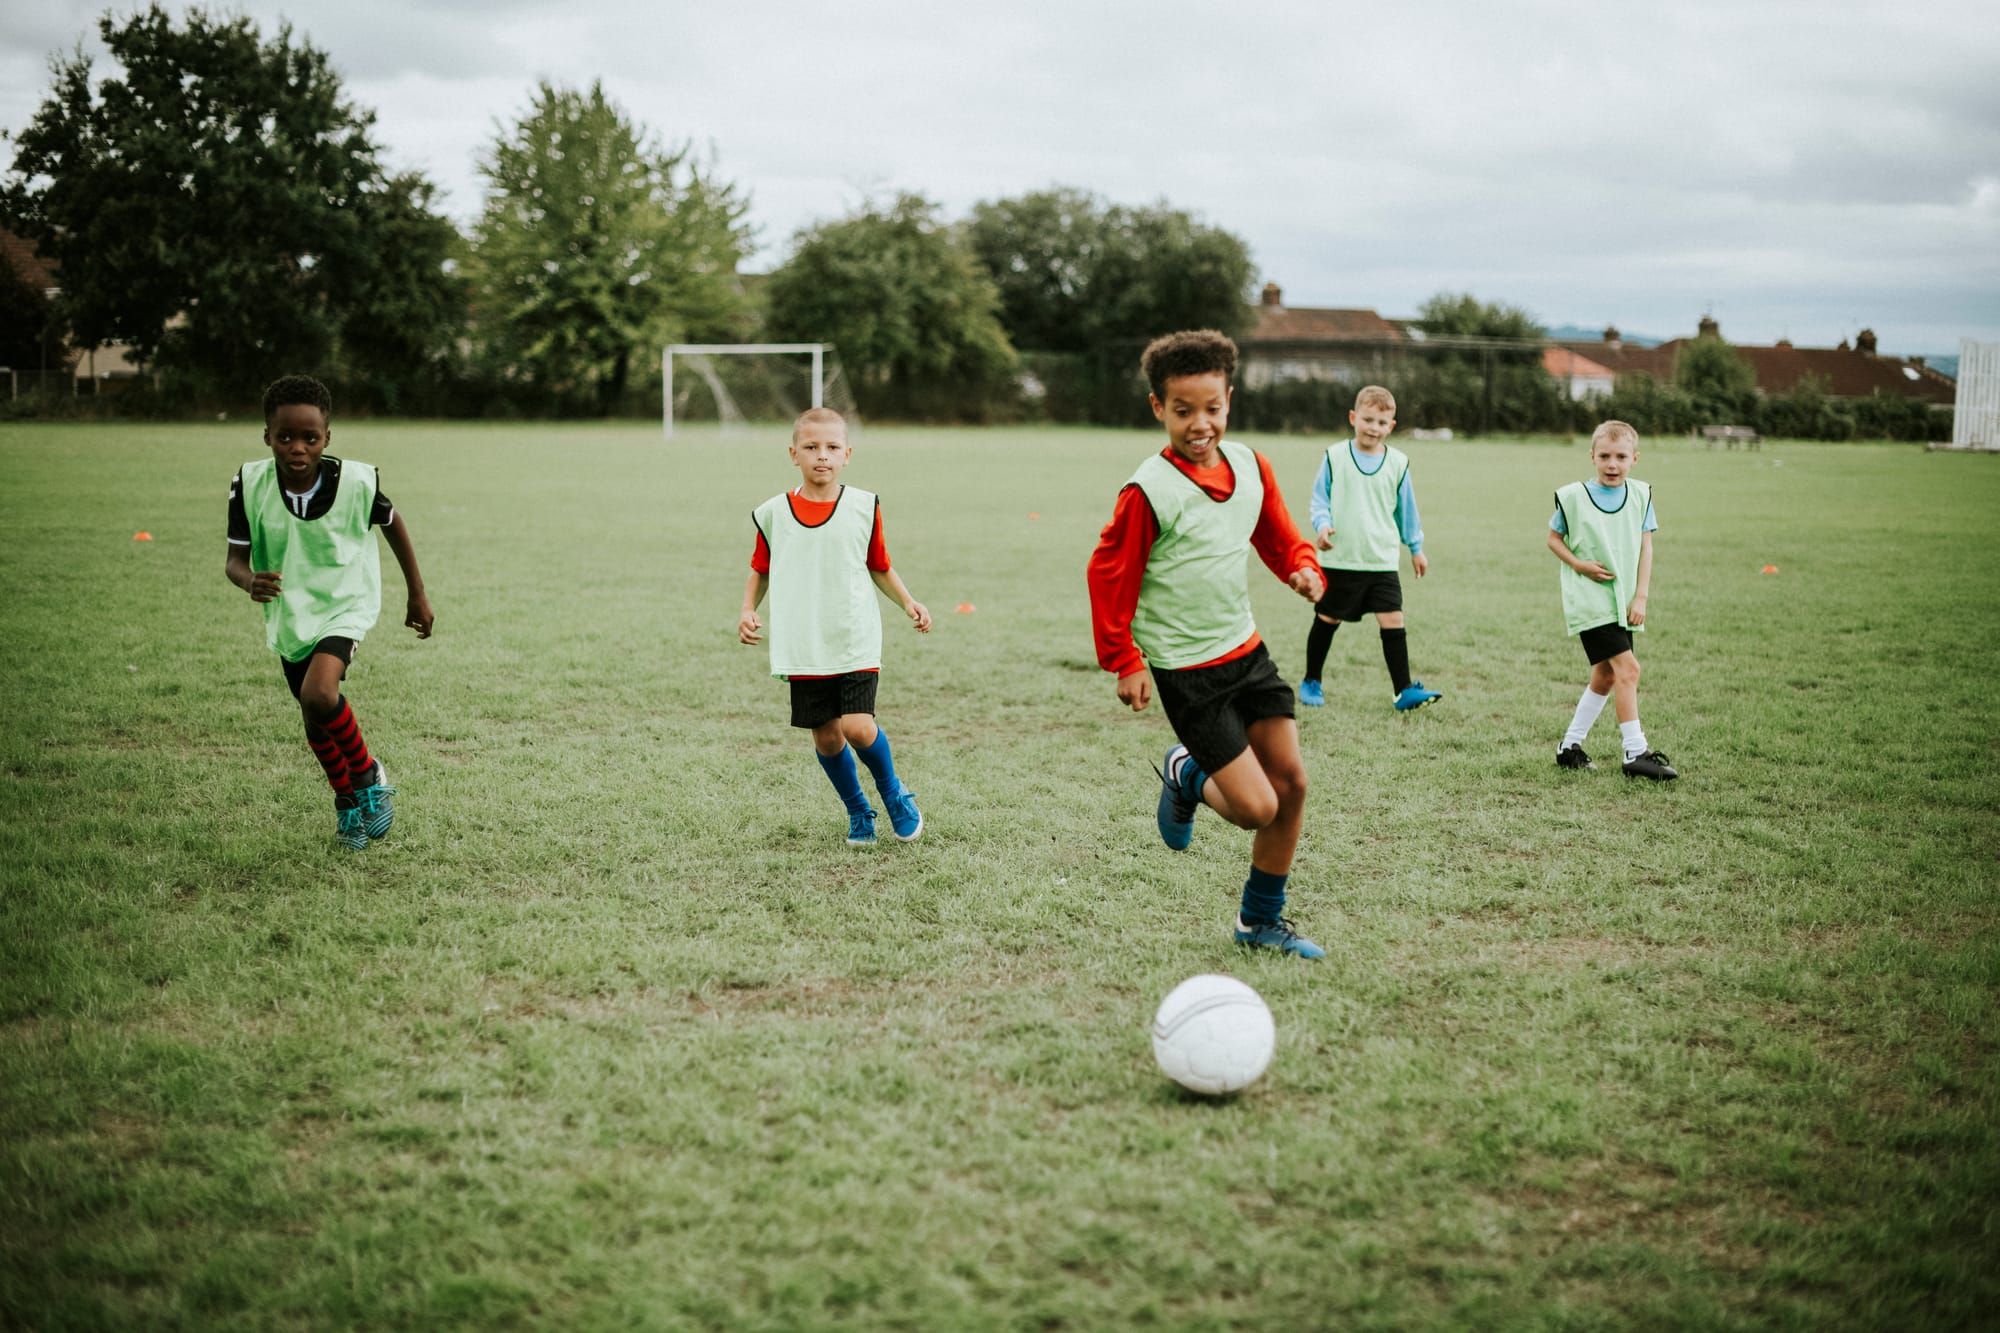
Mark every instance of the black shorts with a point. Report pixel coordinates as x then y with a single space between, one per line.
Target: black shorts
1605 642
1211 708
332 646
827 697
1354 593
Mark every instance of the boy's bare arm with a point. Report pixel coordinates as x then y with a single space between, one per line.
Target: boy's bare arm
1636 613
417 610
891 584
261 587
749 629
1590 569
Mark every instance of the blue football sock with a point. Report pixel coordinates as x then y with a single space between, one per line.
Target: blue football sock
876 755
840 771
1263 896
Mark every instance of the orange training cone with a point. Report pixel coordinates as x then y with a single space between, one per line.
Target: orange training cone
1769 569
1033 514
142 536
966 608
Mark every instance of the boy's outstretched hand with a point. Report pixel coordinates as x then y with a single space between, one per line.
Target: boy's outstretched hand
1308 583
917 612
749 629
417 615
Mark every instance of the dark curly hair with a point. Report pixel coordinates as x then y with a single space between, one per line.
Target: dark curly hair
1189 352
298 389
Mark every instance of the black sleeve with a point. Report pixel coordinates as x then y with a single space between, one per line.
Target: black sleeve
382 510
239 521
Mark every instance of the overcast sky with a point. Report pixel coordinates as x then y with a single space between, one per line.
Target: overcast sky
1801 170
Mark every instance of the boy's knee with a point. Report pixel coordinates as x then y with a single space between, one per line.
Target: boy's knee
827 737
1328 620
1259 811
319 705
1625 668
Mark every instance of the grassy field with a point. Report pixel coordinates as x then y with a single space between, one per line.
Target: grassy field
613 1031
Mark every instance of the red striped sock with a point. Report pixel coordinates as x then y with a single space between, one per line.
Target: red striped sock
346 733
330 759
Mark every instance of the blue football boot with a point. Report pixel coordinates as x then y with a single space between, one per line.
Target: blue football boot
1277 935
1416 696
861 825
1311 695
905 820
1177 805
348 825
378 812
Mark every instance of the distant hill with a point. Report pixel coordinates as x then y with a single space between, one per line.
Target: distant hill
1576 333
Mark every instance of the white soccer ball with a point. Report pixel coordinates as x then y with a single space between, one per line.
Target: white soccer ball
1213 1035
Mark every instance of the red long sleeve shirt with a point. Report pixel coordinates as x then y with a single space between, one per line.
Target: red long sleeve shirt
1119 563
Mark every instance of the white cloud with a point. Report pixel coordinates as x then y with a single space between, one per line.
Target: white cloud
1799 168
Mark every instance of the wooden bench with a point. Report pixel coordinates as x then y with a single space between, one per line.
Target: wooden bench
1731 436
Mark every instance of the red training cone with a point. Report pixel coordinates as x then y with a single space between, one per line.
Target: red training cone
142 536
966 608
1769 569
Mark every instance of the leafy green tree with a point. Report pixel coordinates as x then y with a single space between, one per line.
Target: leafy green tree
218 204
1074 274
914 316
596 246
1498 386
1722 384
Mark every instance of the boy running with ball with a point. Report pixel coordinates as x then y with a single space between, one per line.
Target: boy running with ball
1362 505
1602 532
300 544
820 557
1169 591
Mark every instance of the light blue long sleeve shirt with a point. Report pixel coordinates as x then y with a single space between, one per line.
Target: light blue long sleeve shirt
1408 526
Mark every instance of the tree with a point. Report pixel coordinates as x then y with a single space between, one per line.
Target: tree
217 204
596 246
914 316
1499 385
1074 274
1722 384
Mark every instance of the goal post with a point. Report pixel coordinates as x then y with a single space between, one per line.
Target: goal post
1975 418
698 354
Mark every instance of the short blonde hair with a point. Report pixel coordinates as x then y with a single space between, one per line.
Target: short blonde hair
1617 432
1374 395
817 416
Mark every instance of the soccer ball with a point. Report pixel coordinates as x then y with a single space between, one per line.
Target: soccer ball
1213 1035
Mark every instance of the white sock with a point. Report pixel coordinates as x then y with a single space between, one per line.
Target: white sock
1587 709
1635 739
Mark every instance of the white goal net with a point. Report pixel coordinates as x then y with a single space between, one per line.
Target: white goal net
1975 418
738 388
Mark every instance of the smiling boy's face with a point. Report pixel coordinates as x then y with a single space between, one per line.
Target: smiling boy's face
1195 413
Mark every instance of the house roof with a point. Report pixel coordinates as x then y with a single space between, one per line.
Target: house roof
1623 358
1563 363
1846 372
1279 323
18 253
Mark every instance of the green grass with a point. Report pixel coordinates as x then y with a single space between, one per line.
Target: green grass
613 1032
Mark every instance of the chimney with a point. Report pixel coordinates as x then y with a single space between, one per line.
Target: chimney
1864 342
1917 361
1708 328
1844 346
1271 295
1611 337
1783 342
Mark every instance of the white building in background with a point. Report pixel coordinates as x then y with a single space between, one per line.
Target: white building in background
1580 376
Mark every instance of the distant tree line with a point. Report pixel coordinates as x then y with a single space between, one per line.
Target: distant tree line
218 205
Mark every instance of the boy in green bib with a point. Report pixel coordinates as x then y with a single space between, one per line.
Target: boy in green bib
820 557
1363 506
1169 591
1602 532
300 543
